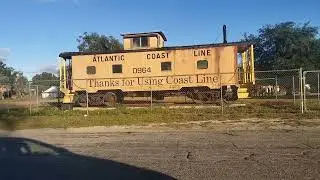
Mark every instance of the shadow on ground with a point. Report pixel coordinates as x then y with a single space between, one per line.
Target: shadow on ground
22 158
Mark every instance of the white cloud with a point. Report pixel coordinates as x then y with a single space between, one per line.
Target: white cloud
4 53
50 68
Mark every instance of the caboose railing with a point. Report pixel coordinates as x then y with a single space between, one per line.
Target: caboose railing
246 70
63 75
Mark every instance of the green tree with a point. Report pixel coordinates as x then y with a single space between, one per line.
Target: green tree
286 46
8 75
45 80
12 79
94 42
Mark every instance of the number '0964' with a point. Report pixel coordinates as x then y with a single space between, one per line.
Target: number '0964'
141 70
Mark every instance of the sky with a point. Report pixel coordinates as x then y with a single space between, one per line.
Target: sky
34 32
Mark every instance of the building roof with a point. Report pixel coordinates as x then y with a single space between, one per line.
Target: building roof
131 35
242 46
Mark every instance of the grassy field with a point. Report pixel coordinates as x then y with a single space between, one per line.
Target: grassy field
18 117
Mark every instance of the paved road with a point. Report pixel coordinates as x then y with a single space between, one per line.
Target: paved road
199 154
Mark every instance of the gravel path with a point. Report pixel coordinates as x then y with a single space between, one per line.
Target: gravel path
197 154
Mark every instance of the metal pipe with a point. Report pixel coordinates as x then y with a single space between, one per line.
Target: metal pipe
244 66
87 94
225 34
293 90
64 75
276 87
150 96
30 110
302 90
318 87
252 64
60 72
37 94
221 97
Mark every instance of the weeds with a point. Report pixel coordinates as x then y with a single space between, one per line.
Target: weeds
50 117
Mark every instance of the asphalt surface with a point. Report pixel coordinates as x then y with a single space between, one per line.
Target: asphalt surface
190 154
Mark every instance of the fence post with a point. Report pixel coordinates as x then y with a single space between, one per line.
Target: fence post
150 95
30 110
276 87
221 95
37 95
302 95
87 97
293 90
318 87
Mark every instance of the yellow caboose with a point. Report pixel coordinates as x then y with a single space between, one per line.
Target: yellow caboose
146 65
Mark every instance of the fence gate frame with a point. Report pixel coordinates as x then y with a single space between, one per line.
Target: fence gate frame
304 87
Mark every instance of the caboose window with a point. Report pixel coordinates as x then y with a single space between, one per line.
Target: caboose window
144 41
117 68
91 70
202 64
165 66
140 42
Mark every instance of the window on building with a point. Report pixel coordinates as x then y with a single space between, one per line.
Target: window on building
202 64
91 70
140 42
165 66
117 68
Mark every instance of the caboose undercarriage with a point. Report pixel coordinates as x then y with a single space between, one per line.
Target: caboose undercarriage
197 94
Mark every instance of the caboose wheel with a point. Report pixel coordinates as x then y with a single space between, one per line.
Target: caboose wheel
109 99
82 100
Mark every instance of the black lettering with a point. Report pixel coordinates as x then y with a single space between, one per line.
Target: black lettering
148 56
140 81
190 79
168 80
111 58
203 52
215 79
147 81
198 81
106 59
208 52
122 57
90 83
158 56
94 59
160 82
194 53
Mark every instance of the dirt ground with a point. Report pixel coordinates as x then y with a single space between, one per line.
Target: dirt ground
196 152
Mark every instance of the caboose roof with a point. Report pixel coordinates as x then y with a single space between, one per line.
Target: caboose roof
131 35
242 46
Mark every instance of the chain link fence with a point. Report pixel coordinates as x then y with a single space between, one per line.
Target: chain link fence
278 91
44 93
